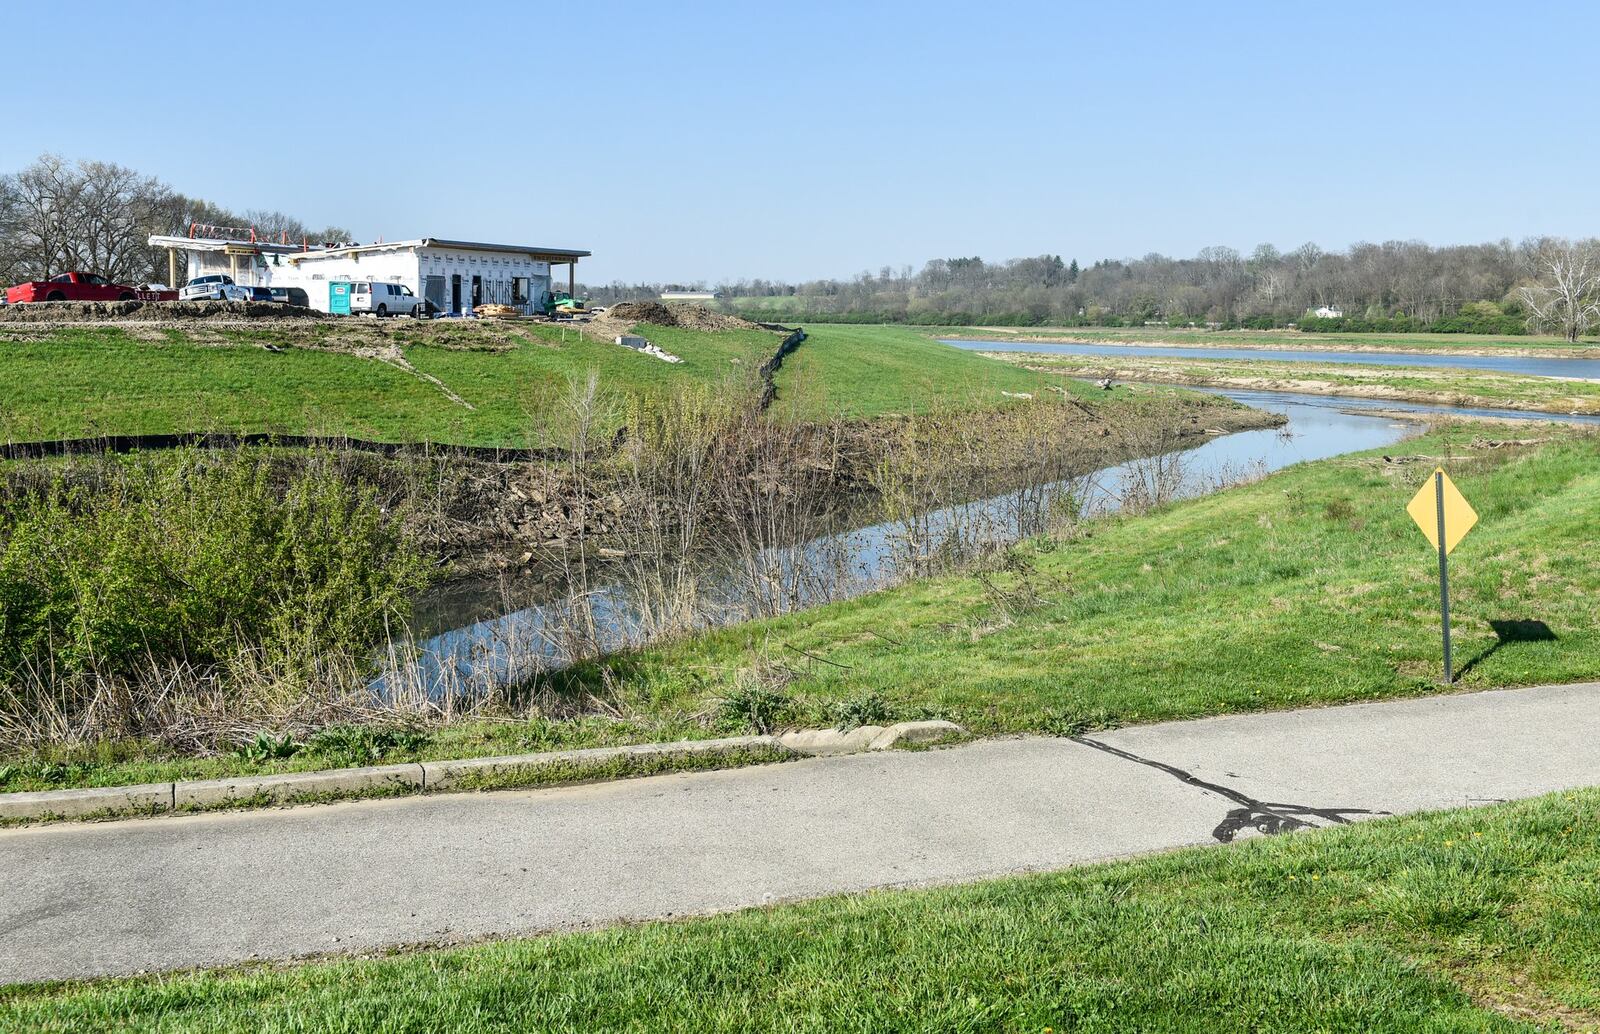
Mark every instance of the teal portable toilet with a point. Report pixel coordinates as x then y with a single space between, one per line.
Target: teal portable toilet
339 297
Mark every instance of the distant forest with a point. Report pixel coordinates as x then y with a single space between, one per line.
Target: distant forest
1397 286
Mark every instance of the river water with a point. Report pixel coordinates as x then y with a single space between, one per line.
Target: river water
1536 366
508 647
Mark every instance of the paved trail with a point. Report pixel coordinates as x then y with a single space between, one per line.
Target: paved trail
149 894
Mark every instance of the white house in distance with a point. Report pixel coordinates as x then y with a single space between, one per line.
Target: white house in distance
456 276
1327 312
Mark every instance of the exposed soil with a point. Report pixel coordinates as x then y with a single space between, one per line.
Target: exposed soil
495 516
624 316
235 324
1157 371
99 312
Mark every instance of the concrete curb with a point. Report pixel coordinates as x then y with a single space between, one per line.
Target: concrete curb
442 775
208 793
868 737
146 798
467 773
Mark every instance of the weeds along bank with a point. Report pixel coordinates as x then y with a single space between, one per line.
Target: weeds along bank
197 600
148 592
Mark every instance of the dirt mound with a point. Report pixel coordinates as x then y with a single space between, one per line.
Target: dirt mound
624 316
83 312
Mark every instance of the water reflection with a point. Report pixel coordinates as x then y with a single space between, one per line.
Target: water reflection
511 647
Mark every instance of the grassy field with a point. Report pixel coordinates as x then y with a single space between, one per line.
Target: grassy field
873 371
1311 586
1472 920
1421 384
1279 339
90 381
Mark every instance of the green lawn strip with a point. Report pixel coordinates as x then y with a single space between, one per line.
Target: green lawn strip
93 381
1448 387
868 371
1441 922
1311 586
83 382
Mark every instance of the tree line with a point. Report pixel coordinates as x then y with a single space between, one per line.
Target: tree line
57 216
1548 284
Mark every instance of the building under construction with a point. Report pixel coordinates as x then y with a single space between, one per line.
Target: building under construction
455 276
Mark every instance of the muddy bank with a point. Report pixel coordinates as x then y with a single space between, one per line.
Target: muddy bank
1278 340
1523 393
516 517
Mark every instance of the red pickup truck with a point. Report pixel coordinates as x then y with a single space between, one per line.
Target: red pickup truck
82 287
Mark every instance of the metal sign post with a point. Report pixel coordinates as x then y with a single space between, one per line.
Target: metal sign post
1450 520
1444 576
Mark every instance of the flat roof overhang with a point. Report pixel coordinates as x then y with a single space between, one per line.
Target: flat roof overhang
539 254
215 244
558 255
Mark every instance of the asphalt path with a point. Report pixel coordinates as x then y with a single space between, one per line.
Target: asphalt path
92 899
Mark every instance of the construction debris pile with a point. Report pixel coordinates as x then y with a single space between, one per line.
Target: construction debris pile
620 319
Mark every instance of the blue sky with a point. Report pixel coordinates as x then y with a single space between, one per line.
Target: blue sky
707 141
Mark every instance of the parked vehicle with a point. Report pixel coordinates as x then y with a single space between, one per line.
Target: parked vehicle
291 296
260 294
216 287
80 287
386 300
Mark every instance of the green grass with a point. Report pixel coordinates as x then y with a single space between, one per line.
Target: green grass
1311 586
1471 920
873 371
1416 384
86 382
103 381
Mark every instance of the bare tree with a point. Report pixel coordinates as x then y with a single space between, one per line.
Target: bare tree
57 215
1568 298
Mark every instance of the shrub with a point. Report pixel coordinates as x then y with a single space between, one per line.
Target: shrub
750 705
355 745
193 557
868 708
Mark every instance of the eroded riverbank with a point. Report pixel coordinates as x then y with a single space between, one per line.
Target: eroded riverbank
1440 387
1288 340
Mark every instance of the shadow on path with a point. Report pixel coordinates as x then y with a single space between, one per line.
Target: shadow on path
1264 816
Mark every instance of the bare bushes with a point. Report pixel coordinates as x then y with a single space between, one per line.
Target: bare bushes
956 488
129 583
704 504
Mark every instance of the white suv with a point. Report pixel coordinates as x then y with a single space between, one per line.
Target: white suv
217 287
385 299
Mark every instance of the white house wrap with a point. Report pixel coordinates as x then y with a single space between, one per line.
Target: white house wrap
456 276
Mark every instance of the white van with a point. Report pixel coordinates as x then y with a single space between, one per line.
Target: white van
385 300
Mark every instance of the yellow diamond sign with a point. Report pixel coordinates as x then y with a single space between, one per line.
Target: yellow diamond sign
1459 516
